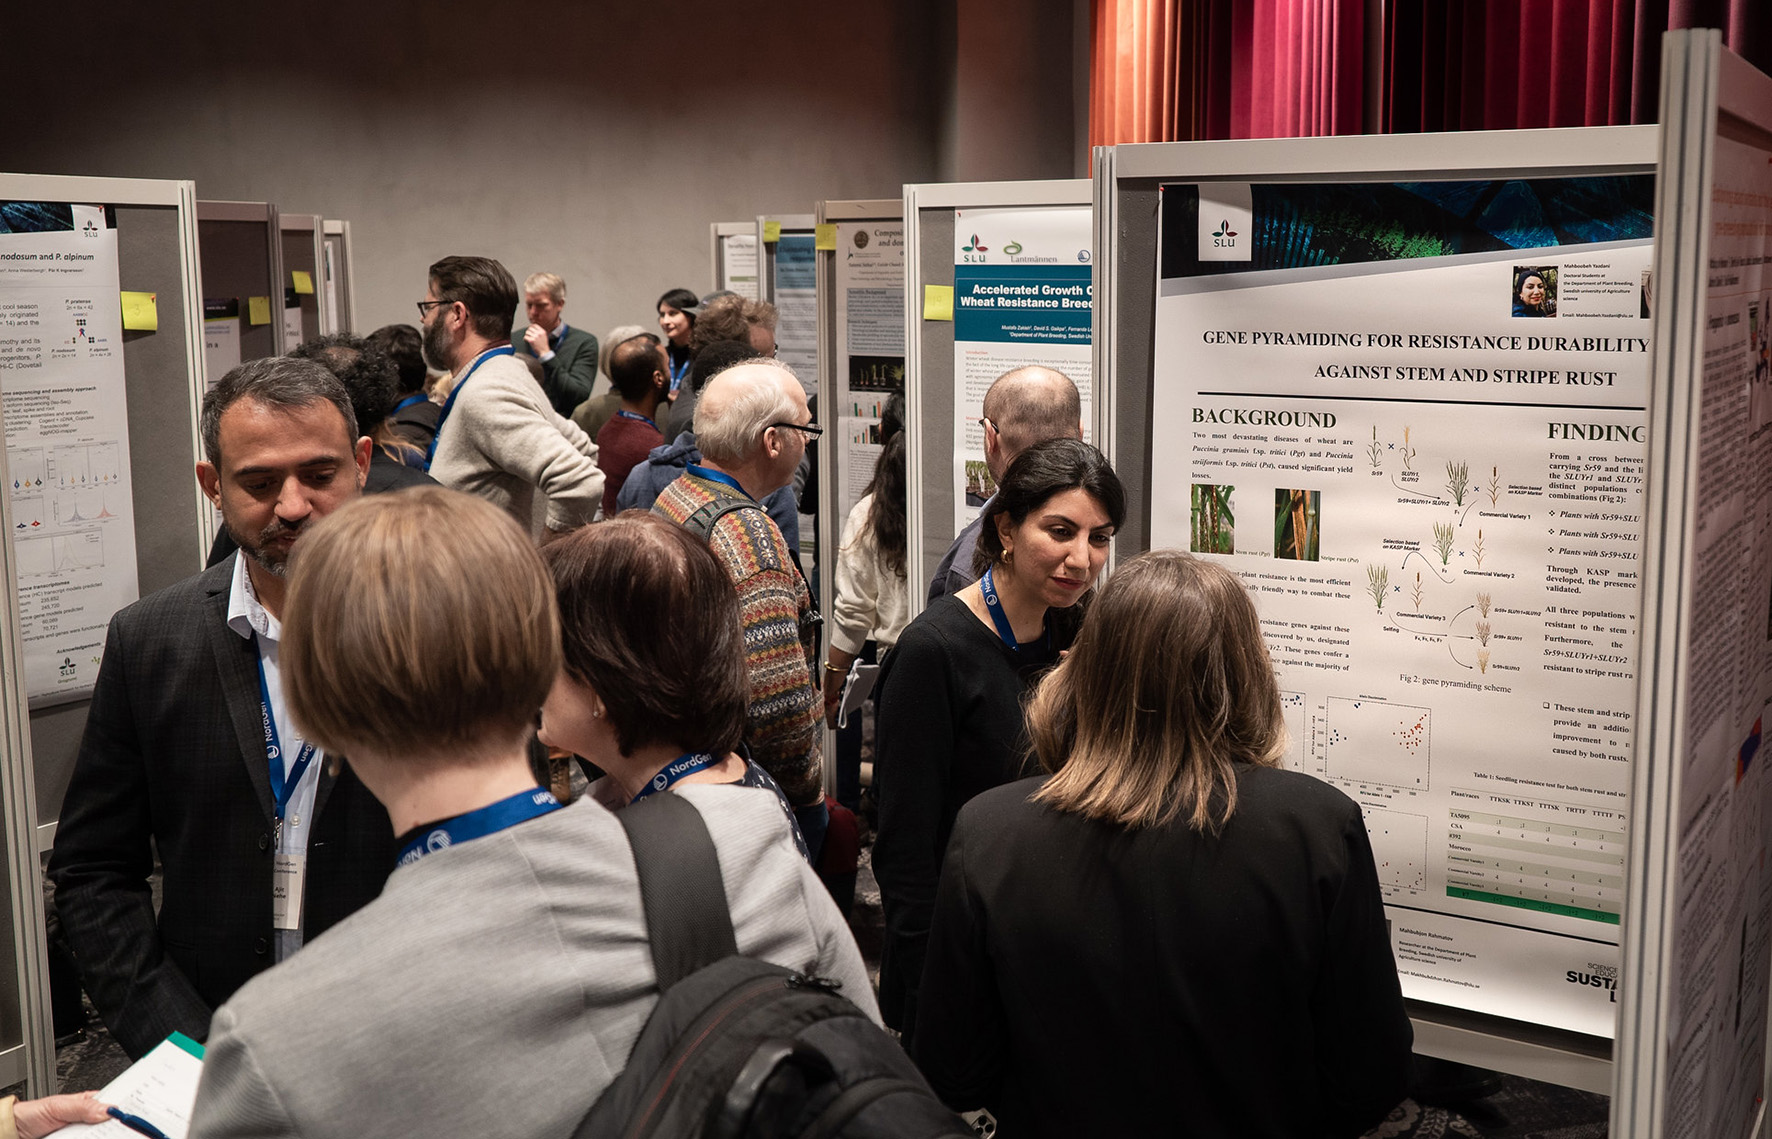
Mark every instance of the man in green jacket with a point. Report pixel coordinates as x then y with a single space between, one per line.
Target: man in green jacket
568 355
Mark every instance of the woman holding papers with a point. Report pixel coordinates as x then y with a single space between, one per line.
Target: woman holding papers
1170 934
949 712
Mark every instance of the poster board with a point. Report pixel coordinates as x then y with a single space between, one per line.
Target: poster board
1692 1056
156 231
302 278
242 253
732 251
337 293
788 270
861 333
1505 999
932 389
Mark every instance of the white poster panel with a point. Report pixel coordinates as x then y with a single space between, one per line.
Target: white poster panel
796 303
67 447
870 346
221 339
1717 1015
292 333
1023 294
738 264
1412 418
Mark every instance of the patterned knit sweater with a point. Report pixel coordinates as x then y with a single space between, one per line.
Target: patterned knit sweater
775 608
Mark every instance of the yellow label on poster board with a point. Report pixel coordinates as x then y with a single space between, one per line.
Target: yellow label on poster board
304 281
141 312
771 231
938 302
258 310
825 238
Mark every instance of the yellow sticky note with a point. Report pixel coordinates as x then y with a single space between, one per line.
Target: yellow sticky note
258 310
938 302
771 231
304 281
825 237
141 312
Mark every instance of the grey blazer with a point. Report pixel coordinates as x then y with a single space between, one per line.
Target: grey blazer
497 987
173 760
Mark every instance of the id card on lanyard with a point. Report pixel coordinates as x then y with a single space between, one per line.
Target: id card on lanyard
288 871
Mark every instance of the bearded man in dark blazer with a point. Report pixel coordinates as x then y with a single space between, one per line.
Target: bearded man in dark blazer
190 753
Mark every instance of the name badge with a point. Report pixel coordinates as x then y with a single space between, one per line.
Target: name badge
287 879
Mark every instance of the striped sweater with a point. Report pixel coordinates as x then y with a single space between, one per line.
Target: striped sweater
775 608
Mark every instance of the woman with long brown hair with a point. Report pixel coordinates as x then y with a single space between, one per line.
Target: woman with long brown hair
1170 934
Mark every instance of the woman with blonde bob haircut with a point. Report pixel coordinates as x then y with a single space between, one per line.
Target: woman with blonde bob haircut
421 637
1170 933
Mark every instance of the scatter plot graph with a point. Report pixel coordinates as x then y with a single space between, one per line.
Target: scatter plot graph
1292 710
1399 847
1371 741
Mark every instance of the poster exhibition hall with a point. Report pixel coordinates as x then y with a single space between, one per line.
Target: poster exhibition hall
1445 328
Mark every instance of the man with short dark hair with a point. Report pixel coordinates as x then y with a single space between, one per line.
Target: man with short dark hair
499 438
641 373
1024 406
190 754
568 355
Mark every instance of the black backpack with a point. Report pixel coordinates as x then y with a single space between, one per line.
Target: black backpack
738 1048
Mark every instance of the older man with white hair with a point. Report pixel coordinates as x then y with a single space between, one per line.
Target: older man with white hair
752 425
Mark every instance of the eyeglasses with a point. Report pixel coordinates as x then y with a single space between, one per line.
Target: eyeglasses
984 422
425 307
812 430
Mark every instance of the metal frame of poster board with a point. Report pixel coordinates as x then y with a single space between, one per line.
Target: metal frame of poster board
157 246
718 232
929 352
830 461
1126 219
1707 93
303 237
339 274
242 253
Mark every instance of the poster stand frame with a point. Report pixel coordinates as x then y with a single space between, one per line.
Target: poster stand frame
830 530
929 353
303 240
261 214
1126 201
337 264
718 231
24 990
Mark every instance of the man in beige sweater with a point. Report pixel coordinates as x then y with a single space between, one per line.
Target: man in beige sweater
499 438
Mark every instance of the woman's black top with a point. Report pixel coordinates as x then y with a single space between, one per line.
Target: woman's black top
949 725
1085 979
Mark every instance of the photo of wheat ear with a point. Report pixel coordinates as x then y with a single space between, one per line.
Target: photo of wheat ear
1214 523
1296 524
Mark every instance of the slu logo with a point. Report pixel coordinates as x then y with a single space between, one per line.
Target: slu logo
1224 235
1012 248
977 246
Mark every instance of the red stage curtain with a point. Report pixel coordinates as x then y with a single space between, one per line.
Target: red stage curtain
1163 70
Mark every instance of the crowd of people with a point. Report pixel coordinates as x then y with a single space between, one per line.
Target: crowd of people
467 613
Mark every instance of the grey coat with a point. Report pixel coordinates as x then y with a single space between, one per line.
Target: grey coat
497 987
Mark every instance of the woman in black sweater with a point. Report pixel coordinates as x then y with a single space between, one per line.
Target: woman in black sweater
949 716
1171 935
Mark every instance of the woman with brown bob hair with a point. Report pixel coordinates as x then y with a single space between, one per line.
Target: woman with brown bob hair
1170 933
654 687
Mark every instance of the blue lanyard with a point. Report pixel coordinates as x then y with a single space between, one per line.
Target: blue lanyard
678 371
431 451
282 785
720 477
480 822
415 397
1001 619
674 772
624 413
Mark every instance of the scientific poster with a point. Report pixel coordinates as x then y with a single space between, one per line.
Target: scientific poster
1023 294
738 264
292 331
221 338
67 445
796 303
1412 418
1717 1014
870 346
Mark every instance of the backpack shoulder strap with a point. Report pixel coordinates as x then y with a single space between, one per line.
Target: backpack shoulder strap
681 891
706 516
